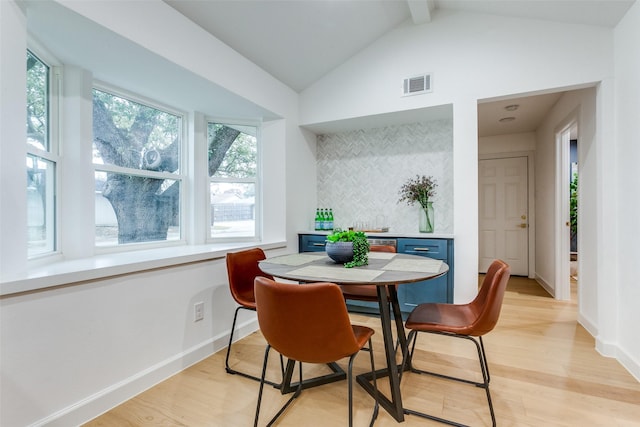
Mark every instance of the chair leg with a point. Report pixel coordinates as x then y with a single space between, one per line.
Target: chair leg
350 385
350 371
375 386
264 372
406 354
226 360
233 328
484 368
263 382
484 359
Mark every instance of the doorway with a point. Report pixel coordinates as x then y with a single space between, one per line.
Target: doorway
566 168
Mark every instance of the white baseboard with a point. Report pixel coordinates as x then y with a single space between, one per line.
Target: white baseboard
588 325
110 397
545 285
630 364
613 350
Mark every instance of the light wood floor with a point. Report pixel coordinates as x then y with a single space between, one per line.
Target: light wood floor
544 372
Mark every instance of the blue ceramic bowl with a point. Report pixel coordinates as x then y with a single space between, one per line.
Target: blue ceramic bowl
340 252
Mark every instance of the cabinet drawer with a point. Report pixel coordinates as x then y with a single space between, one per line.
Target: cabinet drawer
432 248
311 243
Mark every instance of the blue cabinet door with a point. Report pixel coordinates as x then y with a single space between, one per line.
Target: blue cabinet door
311 242
434 290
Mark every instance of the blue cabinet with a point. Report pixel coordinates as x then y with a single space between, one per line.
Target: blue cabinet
409 295
311 242
434 290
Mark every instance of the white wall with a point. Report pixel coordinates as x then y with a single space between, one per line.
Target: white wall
70 353
472 57
626 180
13 43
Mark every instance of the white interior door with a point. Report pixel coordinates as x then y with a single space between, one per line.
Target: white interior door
504 215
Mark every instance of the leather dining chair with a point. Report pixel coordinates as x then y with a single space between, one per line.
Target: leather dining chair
466 321
242 269
308 324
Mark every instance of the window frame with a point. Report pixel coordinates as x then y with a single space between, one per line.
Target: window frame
181 176
52 152
257 181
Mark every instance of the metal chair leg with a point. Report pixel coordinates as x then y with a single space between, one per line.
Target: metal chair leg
375 388
263 382
243 374
484 368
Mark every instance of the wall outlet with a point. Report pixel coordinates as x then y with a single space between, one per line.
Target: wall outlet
198 311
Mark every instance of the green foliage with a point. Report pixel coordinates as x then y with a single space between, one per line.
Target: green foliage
360 253
240 159
37 102
360 245
142 126
345 236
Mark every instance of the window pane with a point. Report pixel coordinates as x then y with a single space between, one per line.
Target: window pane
233 151
134 209
233 208
37 103
132 135
40 205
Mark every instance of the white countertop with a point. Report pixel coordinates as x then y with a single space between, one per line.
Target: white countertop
388 234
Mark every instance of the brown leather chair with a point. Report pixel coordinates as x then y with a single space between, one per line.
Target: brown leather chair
308 324
467 321
366 292
242 269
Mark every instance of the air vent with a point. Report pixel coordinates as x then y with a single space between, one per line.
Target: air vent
417 85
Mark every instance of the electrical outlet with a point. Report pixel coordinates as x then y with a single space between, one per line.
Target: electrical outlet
198 311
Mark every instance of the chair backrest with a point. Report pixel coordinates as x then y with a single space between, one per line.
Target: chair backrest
308 323
382 248
488 302
242 269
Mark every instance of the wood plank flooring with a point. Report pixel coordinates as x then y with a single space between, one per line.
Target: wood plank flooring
544 372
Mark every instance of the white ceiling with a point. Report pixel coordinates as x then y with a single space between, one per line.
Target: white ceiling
299 41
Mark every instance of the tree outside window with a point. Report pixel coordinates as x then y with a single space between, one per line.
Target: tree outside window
136 150
136 153
41 160
233 171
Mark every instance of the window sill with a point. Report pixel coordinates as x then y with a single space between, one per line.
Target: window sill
66 273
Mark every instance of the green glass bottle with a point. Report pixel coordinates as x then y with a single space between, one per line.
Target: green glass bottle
331 226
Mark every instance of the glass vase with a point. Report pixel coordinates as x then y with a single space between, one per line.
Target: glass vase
426 218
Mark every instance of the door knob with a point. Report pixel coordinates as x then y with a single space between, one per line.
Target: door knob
523 225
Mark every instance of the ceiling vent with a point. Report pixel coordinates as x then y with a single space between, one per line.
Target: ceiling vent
417 85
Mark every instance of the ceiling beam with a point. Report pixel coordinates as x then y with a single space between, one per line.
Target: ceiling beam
421 10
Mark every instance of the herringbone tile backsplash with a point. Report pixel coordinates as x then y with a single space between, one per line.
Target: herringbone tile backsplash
360 174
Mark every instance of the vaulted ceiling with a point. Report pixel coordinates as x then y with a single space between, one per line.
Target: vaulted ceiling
299 41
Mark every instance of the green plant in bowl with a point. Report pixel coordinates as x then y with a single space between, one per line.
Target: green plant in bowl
359 243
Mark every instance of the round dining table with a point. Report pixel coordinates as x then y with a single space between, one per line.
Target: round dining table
384 270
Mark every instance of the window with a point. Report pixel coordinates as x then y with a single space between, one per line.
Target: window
138 177
41 159
233 182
